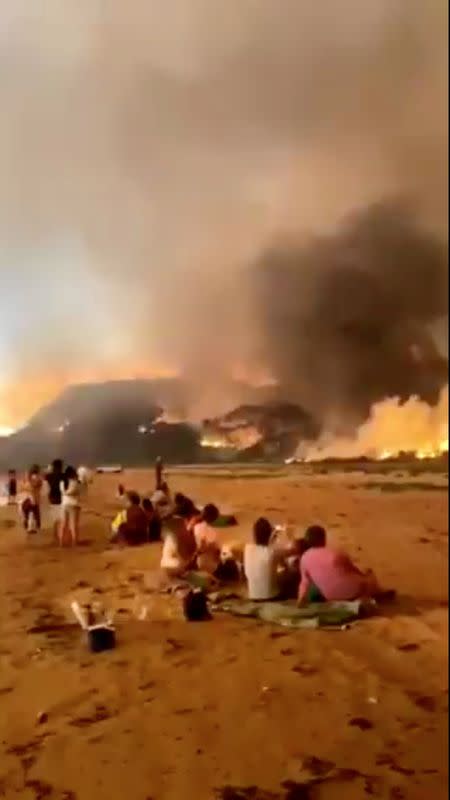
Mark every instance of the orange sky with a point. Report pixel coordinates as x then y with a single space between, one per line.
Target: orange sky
20 400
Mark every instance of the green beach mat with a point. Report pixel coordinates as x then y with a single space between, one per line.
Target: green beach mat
315 615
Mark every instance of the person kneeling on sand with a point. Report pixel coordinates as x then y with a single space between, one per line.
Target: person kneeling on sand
206 539
261 562
130 527
329 574
179 548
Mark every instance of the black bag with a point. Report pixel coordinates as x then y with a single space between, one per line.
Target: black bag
195 606
101 638
228 571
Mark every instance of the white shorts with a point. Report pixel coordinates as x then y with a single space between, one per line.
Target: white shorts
69 513
54 514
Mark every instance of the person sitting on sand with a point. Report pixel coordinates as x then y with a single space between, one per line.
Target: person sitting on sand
261 563
153 521
118 520
185 507
70 506
289 567
329 574
131 525
206 539
179 548
162 502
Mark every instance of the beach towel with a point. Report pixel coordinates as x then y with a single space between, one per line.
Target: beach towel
287 614
225 521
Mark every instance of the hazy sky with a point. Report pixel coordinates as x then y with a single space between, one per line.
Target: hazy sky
151 150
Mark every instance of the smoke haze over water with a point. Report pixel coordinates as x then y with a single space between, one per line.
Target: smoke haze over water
153 155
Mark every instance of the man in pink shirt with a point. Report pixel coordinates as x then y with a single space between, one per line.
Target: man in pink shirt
329 574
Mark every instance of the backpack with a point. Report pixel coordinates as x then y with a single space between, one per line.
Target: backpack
195 606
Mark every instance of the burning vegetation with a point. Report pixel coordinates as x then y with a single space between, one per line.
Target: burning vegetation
265 430
393 429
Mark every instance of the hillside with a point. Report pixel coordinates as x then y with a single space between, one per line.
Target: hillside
125 422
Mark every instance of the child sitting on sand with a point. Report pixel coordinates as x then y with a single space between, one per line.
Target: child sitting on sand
261 562
328 574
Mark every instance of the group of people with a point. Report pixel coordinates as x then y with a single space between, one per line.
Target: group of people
308 569
138 522
65 491
190 540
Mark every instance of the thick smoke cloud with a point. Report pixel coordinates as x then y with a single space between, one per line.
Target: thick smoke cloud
150 152
348 317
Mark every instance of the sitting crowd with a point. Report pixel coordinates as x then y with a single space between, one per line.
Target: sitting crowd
275 567
308 569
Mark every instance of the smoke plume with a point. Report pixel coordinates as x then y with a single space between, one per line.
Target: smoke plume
152 153
347 316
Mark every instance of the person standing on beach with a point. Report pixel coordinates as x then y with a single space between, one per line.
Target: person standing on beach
12 487
70 505
159 470
31 506
54 478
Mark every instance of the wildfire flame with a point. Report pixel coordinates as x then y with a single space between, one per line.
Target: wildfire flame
393 428
237 439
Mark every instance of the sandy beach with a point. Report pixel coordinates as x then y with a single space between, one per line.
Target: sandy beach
229 709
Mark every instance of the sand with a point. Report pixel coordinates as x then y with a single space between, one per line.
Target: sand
181 711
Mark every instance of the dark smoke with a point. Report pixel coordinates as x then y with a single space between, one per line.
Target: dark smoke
347 317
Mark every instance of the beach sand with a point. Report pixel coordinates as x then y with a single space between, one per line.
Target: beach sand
185 711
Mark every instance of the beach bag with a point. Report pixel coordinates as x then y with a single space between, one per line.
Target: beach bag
228 571
195 606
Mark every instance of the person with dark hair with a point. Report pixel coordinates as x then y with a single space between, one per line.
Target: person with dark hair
133 525
11 487
261 562
185 507
70 506
153 521
31 506
206 539
329 574
54 477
